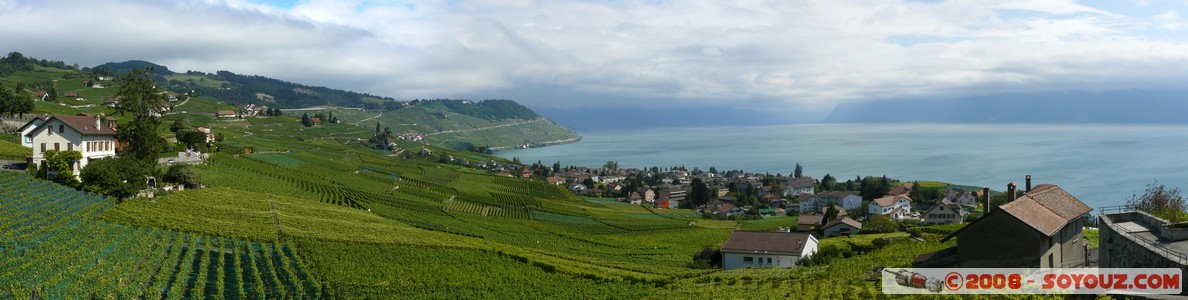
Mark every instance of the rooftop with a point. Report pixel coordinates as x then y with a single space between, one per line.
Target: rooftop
788 243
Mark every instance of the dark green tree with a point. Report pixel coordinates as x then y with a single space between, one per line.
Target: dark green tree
305 121
140 98
177 126
699 194
830 214
798 172
115 177
556 167
879 224
191 138
828 183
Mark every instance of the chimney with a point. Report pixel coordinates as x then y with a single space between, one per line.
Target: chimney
1010 192
98 123
986 198
1028 184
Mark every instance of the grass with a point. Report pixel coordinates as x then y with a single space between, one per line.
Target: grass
13 151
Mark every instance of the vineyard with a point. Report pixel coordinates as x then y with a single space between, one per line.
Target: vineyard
317 217
54 247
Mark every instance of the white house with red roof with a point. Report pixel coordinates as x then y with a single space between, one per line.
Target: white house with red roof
894 206
92 136
766 249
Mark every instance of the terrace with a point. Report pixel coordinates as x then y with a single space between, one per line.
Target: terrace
1165 243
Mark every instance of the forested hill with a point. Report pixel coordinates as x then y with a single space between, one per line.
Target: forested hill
1117 107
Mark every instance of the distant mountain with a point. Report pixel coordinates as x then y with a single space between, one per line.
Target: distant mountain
1116 107
127 67
620 118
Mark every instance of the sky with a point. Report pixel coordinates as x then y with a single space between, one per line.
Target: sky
797 58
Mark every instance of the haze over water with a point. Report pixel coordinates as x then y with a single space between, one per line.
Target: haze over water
1102 165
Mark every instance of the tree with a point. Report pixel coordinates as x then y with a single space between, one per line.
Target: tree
700 194
177 126
879 224
191 138
798 172
61 162
140 98
116 177
1160 201
305 121
828 183
830 214
377 127
556 167
52 94
219 137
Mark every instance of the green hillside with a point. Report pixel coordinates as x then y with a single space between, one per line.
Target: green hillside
314 214
446 122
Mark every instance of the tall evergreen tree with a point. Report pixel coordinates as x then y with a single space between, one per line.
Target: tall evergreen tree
140 98
798 172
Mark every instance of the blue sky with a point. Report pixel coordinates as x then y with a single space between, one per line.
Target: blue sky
796 57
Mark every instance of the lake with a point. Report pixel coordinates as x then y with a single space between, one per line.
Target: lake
1101 165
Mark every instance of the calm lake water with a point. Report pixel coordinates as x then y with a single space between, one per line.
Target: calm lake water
1101 165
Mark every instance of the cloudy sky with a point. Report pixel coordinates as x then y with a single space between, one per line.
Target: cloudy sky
795 57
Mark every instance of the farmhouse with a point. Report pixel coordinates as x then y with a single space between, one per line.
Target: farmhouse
91 136
766 249
1041 229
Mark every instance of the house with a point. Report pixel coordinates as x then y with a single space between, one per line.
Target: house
555 180
846 199
895 206
1041 229
801 186
206 131
946 212
728 209
666 203
112 102
904 190
841 226
961 197
73 95
647 195
41 95
808 222
225 113
92 136
26 138
676 194
746 249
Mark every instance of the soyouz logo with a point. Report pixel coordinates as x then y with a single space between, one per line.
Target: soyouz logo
1024 281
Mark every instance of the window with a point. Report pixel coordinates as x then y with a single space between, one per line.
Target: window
69 146
768 260
61 128
49 130
28 139
748 259
42 147
57 146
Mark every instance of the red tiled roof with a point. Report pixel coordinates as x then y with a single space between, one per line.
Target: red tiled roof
1046 208
787 243
84 124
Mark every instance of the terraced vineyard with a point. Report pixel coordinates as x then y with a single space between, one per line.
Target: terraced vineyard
54 247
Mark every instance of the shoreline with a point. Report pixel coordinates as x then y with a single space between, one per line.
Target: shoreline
538 145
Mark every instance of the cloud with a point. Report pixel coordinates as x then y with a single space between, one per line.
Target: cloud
769 55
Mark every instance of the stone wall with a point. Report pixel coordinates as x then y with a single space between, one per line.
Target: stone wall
1120 250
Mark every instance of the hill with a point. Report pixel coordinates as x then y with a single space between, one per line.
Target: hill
496 124
1117 107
